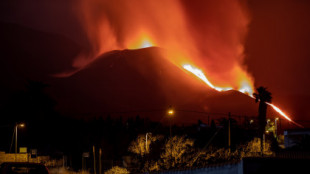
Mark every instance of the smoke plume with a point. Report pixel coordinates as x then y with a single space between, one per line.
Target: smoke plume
207 34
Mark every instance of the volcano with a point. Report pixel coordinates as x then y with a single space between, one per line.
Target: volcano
119 83
143 82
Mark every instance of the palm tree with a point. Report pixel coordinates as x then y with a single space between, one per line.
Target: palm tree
262 96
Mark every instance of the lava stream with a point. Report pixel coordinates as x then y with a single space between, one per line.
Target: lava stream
202 76
197 72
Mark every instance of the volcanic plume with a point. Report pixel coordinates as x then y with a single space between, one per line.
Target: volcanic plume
209 34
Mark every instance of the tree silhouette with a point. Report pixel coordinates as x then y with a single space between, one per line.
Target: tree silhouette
177 152
139 146
262 96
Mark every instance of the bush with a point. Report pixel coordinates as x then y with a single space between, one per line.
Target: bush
117 170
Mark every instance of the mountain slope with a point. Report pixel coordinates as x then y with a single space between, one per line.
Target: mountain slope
145 82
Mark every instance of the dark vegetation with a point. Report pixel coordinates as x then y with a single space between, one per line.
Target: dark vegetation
58 135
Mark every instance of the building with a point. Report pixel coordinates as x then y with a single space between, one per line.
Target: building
296 138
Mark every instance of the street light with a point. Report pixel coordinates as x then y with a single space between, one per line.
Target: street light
251 121
276 127
170 113
16 126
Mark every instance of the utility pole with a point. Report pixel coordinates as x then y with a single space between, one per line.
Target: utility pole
280 124
94 154
170 127
16 142
100 168
229 143
16 138
83 168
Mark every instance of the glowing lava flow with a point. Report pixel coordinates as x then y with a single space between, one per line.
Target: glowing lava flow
283 114
197 72
202 76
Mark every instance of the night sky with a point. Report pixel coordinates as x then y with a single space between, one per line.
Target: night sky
79 48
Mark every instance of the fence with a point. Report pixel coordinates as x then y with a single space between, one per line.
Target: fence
258 165
230 168
26 157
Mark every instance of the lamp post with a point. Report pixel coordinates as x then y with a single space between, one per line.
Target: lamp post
16 126
276 127
170 113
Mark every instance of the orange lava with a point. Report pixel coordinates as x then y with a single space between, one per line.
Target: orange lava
246 89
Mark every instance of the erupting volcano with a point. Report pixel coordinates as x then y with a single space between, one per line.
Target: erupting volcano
111 53
196 33
212 37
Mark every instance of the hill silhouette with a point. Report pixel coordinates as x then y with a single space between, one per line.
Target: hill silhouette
143 82
118 83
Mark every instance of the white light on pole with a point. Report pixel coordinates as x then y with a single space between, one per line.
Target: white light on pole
16 128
